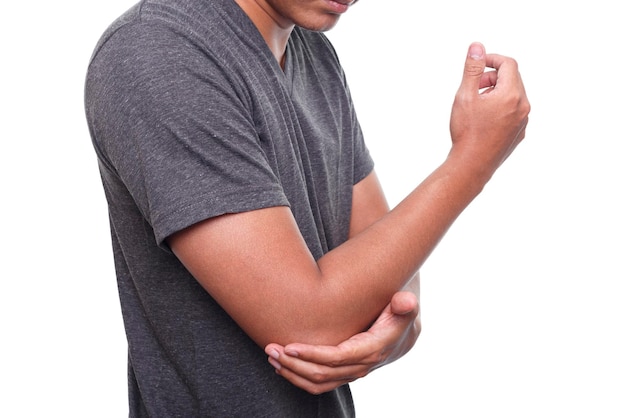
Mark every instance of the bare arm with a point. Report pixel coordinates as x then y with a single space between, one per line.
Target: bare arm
283 295
320 368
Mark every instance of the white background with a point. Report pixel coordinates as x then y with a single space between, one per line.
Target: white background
523 301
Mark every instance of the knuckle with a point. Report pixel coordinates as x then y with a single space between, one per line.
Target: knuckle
348 357
319 377
376 358
512 62
340 361
474 68
336 363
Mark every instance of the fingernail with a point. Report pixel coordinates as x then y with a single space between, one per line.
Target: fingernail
274 363
475 51
274 354
291 353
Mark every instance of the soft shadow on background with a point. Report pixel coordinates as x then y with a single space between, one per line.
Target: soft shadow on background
522 302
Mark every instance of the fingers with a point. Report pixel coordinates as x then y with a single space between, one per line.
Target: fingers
314 377
322 381
363 348
488 81
506 76
319 368
475 77
318 354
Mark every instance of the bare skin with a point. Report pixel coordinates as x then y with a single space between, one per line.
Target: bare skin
310 315
275 19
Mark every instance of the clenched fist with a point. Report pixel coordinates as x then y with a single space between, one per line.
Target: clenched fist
490 111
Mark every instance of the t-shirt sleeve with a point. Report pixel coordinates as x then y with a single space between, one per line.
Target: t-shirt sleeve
177 131
363 162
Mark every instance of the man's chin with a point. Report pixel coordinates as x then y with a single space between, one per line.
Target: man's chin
324 26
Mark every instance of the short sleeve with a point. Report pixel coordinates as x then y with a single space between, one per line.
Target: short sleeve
166 117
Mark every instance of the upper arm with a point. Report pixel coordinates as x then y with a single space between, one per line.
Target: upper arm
368 204
257 266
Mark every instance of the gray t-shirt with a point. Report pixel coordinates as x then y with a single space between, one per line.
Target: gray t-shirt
191 117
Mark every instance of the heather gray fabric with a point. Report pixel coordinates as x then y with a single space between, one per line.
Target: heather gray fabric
191 117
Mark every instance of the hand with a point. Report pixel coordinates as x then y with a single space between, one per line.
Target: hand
490 110
319 368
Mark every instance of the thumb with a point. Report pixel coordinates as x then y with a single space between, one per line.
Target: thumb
475 63
403 303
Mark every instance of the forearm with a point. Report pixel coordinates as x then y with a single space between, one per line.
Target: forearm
361 275
258 267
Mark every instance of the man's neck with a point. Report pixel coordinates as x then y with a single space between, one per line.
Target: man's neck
274 28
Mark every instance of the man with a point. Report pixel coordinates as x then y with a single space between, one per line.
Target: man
245 212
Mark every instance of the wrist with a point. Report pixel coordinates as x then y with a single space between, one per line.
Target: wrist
474 168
